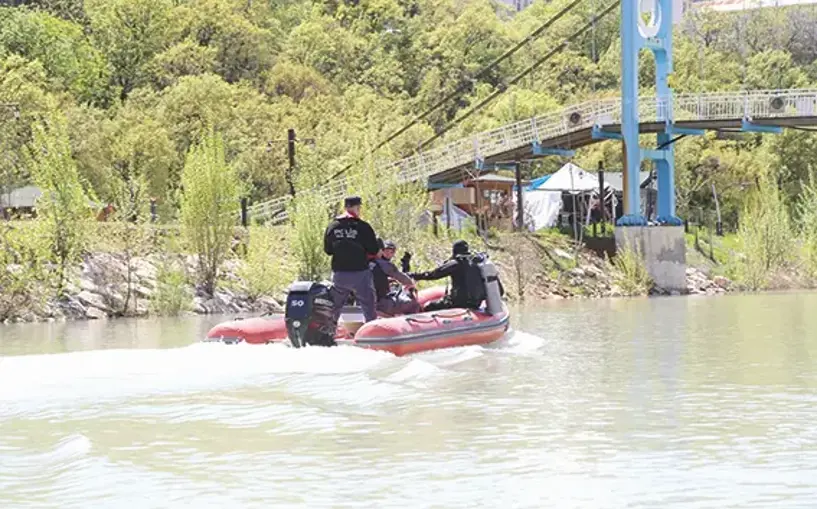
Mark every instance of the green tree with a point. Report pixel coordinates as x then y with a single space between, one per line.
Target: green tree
24 277
132 145
63 209
24 99
774 69
61 46
243 50
209 202
130 199
266 269
131 33
186 58
70 10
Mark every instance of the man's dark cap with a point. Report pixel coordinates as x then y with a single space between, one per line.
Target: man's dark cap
389 245
351 201
460 247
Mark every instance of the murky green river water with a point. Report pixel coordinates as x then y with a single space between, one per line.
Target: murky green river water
663 403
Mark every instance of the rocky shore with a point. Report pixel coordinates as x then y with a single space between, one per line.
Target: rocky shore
536 271
109 285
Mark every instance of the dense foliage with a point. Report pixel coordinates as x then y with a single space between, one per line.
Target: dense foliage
189 102
140 80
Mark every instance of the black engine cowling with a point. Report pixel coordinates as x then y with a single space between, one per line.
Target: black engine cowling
309 315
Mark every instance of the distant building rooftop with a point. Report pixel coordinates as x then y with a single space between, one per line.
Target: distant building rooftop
22 197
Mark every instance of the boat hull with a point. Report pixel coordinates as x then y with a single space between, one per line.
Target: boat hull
404 335
400 335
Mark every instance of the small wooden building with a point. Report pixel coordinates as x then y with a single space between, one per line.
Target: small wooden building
488 198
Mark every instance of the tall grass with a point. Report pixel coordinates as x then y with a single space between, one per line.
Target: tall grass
766 238
630 271
806 210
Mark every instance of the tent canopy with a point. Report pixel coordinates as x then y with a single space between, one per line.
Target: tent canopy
537 182
616 179
570 178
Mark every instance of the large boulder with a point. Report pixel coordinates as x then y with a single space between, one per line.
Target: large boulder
93 300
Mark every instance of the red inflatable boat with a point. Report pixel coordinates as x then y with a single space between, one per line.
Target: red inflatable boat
399 335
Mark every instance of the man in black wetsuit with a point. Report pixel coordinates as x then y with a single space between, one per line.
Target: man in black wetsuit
388 301
351 243
467 290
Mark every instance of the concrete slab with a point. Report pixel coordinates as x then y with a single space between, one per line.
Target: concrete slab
663 249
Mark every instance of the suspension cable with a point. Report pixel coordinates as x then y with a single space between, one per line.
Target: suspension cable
550 54
468 83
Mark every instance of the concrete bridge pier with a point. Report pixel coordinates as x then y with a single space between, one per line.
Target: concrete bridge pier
663 249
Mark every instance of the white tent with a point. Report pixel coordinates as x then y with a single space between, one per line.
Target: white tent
571 178
541 208
544 203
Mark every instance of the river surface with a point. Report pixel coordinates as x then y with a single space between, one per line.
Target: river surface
660 403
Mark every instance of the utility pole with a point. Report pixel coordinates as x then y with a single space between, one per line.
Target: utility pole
602 205
291 154
520 207
291 141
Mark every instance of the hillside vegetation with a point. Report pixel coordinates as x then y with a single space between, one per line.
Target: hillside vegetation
189 102
139 80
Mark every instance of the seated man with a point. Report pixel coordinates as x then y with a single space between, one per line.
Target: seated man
467 289
391 302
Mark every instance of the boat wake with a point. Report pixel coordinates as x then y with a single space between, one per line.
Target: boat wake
52 381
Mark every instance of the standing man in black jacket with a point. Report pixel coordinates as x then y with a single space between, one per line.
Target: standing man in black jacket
351 243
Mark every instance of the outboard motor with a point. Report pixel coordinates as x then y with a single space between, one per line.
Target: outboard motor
493 292
310 315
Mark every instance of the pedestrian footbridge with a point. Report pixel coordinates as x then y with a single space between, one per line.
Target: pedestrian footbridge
581 125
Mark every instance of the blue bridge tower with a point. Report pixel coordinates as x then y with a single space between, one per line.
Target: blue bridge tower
654 34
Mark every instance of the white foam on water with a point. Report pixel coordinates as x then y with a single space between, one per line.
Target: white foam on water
414 370
35 380
20 468
446 357
68 449
518 342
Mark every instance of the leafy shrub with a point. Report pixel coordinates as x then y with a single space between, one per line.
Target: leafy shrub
266 269
210 198
23 275
172 295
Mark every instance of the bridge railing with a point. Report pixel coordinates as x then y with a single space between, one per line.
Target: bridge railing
765 104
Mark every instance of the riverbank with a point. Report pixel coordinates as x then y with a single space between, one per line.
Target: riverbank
537 267
104 287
